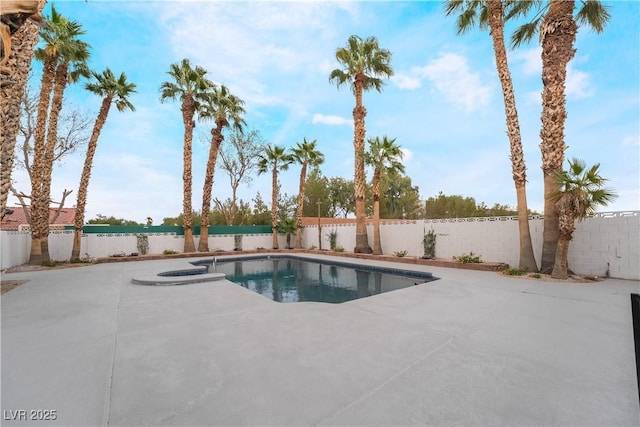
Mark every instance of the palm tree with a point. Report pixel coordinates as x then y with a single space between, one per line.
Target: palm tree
12 89
557 28
385 156
276 159
364 64
288 227
187 84
490 13
113 91
221 107
305 154
580 193
61 46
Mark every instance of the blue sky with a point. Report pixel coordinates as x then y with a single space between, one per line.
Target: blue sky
444 104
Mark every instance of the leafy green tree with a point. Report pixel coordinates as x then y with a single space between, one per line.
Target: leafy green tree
364 65
189 85
342 198
401 199
581 193
111 220
287 227
317 190
261 214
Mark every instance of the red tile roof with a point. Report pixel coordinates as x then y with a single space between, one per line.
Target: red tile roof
15 217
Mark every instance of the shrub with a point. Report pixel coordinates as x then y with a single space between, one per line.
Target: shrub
237 241
338 249
469 258
401 254
142 243
169 252
429 244
535 276
514 272
333 240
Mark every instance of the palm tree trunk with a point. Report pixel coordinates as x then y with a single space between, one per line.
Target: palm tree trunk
81 203
214 148
561 266
377 245
274 207
359 113
11 93
60 84
303 177
40 201
496 24
188 111
557 35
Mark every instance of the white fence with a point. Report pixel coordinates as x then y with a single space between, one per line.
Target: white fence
605 241
608 240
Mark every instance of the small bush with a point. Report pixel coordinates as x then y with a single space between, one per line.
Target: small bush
169 252
469 258
333 240
401 254
118 255
514 272
535 276
86 260
338 249
50 263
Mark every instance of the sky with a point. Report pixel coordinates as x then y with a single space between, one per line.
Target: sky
443 105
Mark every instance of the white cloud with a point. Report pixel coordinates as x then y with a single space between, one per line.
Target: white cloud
631 141
578 84
531 60
331 120
404 81
451 76
407 155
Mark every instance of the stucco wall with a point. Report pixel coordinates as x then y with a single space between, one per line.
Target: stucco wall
607 240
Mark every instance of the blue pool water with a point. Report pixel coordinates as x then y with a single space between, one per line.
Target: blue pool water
293 279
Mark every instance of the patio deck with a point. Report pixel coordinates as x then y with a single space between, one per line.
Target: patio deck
473 348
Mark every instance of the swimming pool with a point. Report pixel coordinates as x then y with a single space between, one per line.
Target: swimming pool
295 279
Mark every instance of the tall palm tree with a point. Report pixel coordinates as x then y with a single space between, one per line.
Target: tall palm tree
274 158
189 85
71 67
113 91
490 13
305 154
364 65
385 156
557 26
61 46
580 192
225 110
18 63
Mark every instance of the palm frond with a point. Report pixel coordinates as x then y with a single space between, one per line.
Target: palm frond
594 14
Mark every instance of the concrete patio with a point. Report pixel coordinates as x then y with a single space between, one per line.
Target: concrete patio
473 348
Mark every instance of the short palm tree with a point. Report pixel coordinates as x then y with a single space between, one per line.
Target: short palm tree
557 26
288 227
61 46
385 156
113 91
225 110
305 154
489 14
189 85
580 193
364 65
274 158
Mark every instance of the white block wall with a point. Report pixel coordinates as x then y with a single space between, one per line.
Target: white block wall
608 240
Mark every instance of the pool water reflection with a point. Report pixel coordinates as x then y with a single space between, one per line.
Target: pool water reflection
289 279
